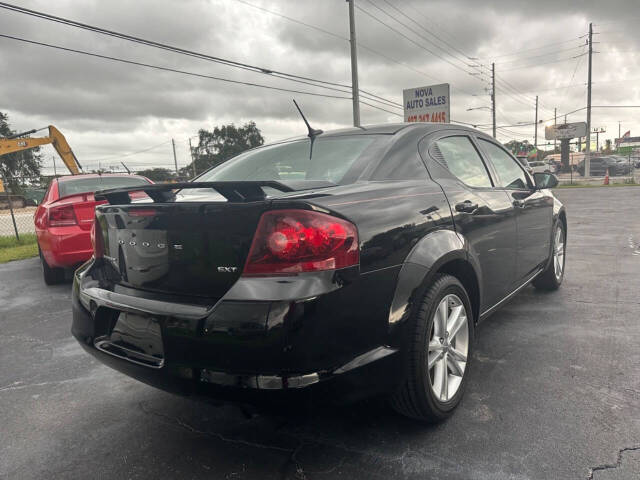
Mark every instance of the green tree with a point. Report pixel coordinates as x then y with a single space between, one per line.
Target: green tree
221 144
519 148
157 174
26 163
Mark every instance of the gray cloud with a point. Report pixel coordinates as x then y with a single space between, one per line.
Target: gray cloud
106 108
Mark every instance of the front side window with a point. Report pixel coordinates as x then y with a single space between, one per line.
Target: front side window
510 174
462 159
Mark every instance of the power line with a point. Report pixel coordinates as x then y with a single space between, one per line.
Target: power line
154 44
555 52
340 37
293 20
542 63
167 69
422 27
541 47
106 57
94 160
573 75
524 124
405 36
335 35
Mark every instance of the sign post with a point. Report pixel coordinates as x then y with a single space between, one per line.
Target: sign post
427 104
564 133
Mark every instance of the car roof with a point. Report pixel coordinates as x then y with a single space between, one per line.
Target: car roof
67 178
395 128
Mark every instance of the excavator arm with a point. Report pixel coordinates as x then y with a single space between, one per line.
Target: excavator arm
12 145
55 138
64 150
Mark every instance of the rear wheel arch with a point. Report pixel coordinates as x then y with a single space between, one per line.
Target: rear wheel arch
466 274
441 252
562 216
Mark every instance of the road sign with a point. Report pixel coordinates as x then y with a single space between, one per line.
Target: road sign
427 104
565 131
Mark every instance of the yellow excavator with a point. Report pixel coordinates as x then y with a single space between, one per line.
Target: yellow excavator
20 142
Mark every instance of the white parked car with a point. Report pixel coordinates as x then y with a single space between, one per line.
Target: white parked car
542 167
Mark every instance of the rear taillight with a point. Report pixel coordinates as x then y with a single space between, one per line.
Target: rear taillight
62 216
293 241
97 242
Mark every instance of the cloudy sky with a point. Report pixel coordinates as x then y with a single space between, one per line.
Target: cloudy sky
110 110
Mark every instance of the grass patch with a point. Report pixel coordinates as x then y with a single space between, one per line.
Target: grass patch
12 249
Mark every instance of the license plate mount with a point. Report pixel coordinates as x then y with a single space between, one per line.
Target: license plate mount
136 338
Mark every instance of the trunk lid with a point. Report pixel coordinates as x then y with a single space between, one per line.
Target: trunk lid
180 248
188 238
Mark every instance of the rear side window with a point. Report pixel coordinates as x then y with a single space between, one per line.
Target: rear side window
462 159
510 173
73 186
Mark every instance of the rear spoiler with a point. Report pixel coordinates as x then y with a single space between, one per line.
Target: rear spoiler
234 191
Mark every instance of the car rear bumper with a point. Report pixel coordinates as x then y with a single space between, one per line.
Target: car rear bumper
234 350
64 247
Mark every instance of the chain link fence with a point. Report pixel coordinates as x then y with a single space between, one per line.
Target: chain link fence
19 197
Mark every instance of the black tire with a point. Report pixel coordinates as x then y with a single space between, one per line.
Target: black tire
548 279
415 398
52 276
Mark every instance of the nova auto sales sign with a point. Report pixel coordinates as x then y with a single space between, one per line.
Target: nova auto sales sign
427 104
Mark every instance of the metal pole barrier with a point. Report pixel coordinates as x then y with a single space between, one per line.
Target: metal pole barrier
13 218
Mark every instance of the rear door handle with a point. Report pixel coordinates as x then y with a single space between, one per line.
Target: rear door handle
466 207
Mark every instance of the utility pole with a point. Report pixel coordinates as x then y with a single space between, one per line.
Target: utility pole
493 97
587 156
598 131
619 133
535 136
619 128
555 115
55 173
193 158
354 64
175 159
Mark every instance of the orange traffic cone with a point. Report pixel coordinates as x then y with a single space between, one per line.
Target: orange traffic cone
606 178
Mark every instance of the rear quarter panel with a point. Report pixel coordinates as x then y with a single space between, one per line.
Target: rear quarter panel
392 218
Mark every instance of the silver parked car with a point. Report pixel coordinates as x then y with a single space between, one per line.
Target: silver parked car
542 167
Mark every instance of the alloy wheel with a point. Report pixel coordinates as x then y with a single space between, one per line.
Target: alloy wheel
448 347
558 252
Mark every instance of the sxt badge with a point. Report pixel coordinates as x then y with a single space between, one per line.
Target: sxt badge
227 269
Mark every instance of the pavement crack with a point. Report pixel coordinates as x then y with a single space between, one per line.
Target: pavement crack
292 459
609 466
220 436
21 385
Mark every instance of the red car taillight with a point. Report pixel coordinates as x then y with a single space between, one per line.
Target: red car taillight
293 241
97 242
62 216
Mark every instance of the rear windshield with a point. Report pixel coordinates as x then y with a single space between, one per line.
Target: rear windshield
72 186
338 159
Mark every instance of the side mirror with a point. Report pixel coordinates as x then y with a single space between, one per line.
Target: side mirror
545 180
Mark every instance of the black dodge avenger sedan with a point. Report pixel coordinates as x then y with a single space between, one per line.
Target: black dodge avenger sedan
353 263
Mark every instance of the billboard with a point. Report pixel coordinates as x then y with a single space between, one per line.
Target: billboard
566 130
427 104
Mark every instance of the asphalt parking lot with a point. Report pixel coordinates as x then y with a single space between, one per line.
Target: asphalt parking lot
554 390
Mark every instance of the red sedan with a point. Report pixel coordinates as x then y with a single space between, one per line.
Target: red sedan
64 219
